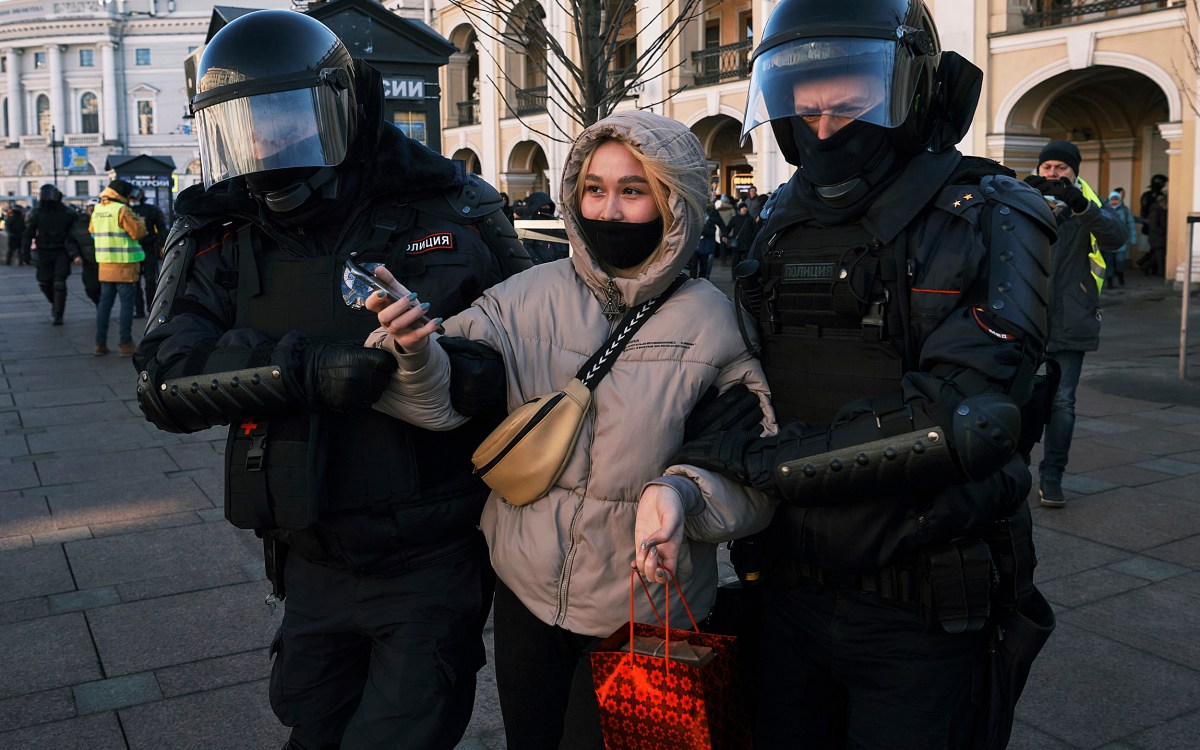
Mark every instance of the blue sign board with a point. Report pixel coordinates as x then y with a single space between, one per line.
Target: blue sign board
75 158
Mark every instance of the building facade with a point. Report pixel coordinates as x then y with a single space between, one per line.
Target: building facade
84 80
1119 78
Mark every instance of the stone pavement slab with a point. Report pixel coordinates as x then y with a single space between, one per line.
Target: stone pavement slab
45 653
1130 518
96 732
232 718
36 571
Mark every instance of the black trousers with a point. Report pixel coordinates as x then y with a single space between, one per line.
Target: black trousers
53 268
381 662
841 668
544 678
149 281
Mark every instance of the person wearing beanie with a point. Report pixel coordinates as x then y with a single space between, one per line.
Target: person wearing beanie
116 230
1076 278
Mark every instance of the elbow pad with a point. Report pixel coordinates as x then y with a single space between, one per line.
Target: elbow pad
979 440
191 404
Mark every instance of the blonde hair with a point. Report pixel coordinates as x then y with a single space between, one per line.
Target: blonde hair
664 177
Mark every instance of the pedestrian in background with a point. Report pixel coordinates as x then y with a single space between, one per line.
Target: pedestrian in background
116 231
14 227
1115 259
1150 263
1075 284
633 203
156 232
50 226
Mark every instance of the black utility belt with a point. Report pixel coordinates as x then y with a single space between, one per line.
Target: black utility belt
951 584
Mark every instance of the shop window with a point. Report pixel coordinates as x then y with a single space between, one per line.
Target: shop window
412 124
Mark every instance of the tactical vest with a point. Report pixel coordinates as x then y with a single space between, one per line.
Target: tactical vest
831 330
311 466
113 244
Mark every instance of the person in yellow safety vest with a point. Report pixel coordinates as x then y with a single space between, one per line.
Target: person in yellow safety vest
116 230
1076 278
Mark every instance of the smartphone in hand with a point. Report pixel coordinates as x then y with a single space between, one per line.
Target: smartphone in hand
395 292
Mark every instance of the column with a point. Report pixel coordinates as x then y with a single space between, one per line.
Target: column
58 107
1179 177
110 98
489 107
16 97
650 23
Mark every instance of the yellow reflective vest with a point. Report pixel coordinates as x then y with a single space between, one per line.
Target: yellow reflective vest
113 244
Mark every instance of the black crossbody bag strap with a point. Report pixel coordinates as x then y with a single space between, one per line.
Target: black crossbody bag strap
602 361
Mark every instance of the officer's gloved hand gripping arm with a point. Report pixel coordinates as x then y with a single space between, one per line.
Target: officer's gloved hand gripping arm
195 372
955 419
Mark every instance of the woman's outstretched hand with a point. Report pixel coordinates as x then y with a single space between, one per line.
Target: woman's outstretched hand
658 532
402 319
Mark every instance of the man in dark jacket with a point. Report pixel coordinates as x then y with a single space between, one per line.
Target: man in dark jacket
370 524
50 224
156 232
1152 212
89 269
901 301
1075 282
14 227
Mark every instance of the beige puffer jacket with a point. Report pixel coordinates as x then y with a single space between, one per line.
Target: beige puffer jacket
567 555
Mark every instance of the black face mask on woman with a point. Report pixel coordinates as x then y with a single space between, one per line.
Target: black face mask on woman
619 243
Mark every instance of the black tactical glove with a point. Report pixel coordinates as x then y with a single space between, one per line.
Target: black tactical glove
745 457
735 409
337 377
345 377
1063 189
478 381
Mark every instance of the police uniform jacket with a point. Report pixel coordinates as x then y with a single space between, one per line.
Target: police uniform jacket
389 496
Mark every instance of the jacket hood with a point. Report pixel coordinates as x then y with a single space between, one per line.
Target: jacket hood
665 141
112 195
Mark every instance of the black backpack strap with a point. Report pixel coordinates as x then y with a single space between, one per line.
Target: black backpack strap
602 361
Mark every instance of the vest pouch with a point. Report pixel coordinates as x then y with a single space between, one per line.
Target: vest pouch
526 454
274 473
827 373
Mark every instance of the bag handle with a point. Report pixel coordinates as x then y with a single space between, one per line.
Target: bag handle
667 623
602 361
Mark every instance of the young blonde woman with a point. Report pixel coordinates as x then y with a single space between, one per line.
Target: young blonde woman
633 198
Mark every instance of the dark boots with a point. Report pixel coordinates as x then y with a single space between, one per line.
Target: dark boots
58 304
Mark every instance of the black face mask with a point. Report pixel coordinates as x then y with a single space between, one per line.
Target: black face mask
619 243
848 165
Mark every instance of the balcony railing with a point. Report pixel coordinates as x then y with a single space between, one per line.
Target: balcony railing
1055 13
531 101
468 112
725 63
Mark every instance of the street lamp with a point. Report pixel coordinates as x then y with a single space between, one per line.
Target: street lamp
54 144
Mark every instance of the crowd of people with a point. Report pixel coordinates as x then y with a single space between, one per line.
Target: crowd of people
858 421
115 240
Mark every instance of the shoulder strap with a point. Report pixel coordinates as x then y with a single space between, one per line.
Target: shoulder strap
602 361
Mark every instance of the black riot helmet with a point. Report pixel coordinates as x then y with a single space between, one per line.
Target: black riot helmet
276 102
49 194
871 62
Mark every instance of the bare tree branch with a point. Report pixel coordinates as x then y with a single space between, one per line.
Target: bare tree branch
587 83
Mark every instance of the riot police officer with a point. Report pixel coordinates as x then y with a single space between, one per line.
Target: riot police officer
901 298
258 323
50 225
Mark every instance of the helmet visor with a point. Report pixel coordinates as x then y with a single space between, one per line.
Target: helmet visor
306 127
854 78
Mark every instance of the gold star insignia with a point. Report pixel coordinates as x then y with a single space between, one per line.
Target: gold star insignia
957 204
968 197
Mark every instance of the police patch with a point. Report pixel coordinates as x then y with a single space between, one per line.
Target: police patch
808 272
438 241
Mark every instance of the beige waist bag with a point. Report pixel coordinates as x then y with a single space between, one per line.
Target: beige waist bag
526 454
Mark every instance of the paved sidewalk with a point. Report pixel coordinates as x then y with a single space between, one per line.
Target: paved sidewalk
132 616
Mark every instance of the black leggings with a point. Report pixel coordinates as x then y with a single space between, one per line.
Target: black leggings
544 678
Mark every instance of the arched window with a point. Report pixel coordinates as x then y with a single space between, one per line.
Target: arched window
89 113
43 114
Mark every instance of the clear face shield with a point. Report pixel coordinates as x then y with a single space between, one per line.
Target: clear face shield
854 78
272 130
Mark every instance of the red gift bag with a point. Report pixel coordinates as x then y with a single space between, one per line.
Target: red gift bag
655 700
